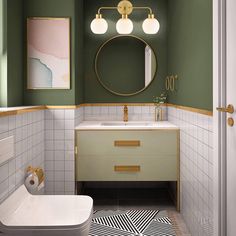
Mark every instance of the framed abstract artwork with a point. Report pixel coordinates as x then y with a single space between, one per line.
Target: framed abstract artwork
48 53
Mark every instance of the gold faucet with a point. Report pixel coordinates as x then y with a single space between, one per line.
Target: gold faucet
125 114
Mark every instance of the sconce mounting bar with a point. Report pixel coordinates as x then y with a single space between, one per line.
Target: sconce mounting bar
124 7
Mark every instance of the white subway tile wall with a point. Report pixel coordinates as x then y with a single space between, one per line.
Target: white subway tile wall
46 139
28 132
196 169
79 115
135 113
59 150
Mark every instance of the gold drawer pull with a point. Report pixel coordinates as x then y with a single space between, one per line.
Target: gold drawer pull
127 168
127 143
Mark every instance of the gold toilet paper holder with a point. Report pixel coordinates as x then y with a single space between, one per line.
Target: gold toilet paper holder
37 171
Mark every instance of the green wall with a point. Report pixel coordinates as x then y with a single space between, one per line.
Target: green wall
3 55
93 90
190 52
59 8
183 46
11 79
79 52
15 52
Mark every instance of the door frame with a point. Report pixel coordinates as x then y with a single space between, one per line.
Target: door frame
219 119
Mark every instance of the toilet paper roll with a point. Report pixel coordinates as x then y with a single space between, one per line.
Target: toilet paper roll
32 182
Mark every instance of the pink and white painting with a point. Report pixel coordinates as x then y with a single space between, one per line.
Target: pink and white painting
48 53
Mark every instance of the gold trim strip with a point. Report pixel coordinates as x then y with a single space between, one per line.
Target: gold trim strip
62 107
7 113
127 168
21 111
36 108
127 143
32 109
191 109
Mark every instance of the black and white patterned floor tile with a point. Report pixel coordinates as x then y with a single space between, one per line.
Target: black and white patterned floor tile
131 223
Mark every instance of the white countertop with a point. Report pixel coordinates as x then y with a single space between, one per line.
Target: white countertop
130 125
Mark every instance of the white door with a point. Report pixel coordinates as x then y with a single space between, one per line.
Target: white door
224 89
231 130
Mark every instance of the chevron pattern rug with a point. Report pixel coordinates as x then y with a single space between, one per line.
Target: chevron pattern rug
131 223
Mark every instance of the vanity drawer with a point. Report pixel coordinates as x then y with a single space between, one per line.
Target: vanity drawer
132 168
161 142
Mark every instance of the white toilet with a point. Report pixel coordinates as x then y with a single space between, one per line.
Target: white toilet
24 214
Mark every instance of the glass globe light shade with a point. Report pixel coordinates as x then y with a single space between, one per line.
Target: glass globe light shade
124 25
151 25
99 25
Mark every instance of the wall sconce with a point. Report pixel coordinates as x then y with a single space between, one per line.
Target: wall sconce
170 83
124 25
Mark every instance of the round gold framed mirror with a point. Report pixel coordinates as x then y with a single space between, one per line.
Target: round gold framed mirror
125 65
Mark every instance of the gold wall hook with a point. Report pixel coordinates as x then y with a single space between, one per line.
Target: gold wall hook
170 82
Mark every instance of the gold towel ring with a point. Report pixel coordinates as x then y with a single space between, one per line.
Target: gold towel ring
172 83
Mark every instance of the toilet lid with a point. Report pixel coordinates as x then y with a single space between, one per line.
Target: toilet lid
44 210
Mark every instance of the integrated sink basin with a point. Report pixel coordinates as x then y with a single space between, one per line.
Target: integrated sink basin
127 124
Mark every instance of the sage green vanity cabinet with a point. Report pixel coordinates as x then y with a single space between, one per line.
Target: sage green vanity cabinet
127 155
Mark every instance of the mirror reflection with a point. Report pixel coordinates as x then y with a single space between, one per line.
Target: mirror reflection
125 65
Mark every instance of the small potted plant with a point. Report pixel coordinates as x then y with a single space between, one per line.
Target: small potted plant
158 100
